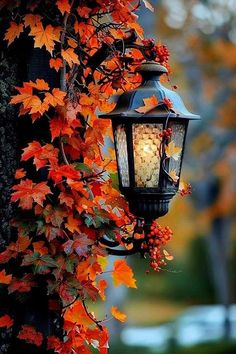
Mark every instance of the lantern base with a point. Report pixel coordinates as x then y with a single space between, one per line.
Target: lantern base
149 206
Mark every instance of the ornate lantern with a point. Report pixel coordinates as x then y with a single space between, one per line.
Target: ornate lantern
149 143
148 173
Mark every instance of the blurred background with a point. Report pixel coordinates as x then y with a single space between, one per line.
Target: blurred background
189 307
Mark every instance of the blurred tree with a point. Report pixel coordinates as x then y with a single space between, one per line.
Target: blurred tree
202 37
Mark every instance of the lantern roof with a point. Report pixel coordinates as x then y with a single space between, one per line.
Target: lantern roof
129 101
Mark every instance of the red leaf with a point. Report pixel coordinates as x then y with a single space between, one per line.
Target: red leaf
6 321
28 192
30 335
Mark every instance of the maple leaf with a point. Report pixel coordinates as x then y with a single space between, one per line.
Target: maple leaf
6 321
72 223
84 11
123 274
13 32
32 20
41 154
22 285
102 285
39 84
60 126
56 98
149 104
63 6
173 151
120 316
67 199
45 36
4 278
56 63
30 335
77 314
174 176
31 103
21 244
70 57
28 192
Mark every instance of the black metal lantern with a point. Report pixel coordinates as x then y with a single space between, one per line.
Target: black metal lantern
145 170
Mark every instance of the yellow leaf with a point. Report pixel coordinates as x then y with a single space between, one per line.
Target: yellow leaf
173 151
120 316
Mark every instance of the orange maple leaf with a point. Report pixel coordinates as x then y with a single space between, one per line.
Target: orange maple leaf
31 103
28 192
77 314
6 321
41 154
55 63
149 104
70 56
102 285
45 36
30 335
56 98
123 274
63 6
39 84
120 316
4 278
13 32
84 11
67 199
59 126
32 20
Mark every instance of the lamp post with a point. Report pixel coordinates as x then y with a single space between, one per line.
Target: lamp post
149 144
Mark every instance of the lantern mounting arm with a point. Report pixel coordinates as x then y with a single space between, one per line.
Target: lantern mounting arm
111 246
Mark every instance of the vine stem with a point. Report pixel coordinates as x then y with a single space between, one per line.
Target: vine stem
91 317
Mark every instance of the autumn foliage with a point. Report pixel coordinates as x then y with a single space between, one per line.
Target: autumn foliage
94 47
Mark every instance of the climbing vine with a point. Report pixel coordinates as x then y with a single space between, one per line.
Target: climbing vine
71 201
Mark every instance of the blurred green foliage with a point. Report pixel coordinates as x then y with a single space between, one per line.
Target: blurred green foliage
183 279
208 348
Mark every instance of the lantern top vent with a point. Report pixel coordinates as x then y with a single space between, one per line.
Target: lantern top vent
129 101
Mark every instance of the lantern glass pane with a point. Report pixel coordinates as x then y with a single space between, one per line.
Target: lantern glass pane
122 154
146 142
178 134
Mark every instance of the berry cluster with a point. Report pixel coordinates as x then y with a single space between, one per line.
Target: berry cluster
149 42
156 238
166 133
162 53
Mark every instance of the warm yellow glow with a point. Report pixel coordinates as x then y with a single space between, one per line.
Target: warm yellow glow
147 148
